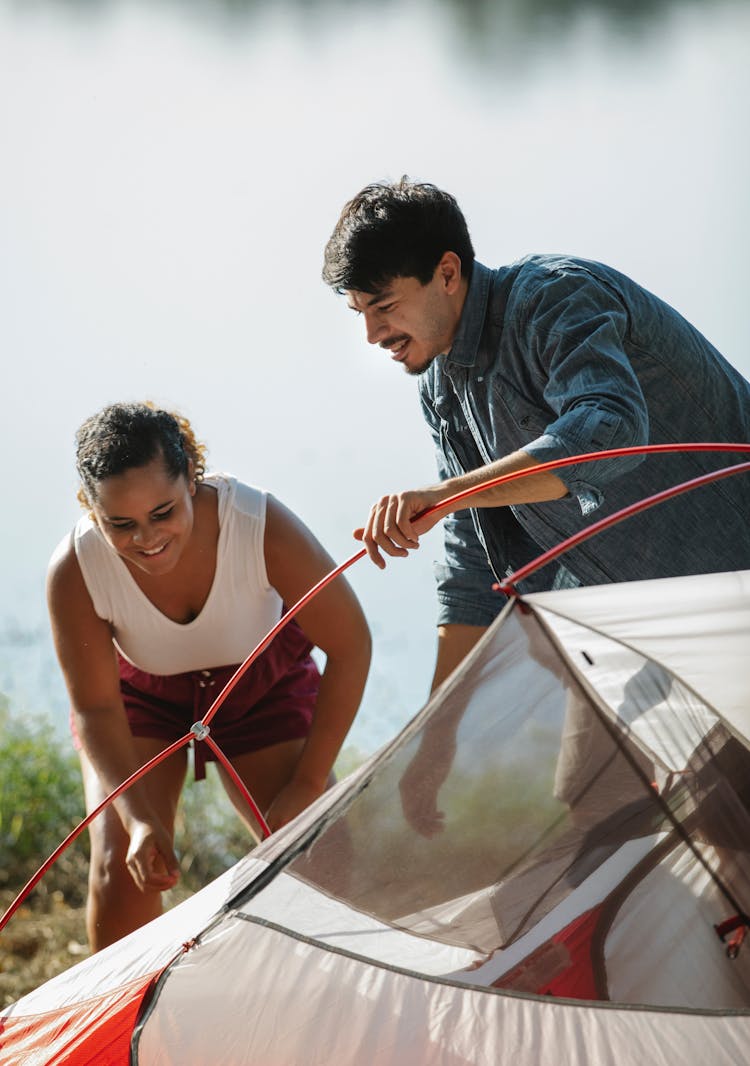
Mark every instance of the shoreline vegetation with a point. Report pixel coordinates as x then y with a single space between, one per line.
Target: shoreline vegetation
41 801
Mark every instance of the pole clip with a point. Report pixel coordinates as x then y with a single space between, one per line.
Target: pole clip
199 730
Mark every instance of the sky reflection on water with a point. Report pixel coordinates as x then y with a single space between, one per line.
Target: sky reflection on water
174 169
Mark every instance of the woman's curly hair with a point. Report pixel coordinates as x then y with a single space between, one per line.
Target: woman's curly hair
126 435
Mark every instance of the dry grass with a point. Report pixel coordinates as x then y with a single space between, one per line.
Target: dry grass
46 936
43 938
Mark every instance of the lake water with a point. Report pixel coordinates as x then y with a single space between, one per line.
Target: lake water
172 170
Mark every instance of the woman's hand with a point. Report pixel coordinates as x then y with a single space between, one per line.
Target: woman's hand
291 800
151 859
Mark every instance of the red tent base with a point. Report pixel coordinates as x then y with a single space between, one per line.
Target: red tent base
96 1032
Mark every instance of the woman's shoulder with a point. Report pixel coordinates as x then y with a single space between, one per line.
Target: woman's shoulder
63 570
63 553
237 496
83 533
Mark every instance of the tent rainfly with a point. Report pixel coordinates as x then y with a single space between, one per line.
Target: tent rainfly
532 872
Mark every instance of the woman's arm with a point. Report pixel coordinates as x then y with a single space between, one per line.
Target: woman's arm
83 642
334 622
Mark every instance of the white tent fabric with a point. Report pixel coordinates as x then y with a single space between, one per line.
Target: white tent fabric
595 830
301 1003
698 628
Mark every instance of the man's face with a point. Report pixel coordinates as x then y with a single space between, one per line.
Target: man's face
414 322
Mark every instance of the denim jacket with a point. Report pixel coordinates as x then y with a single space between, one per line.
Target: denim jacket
560 356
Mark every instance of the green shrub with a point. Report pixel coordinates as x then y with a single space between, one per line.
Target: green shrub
41 801
209 835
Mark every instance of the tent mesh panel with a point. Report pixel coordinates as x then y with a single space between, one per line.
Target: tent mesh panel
523 800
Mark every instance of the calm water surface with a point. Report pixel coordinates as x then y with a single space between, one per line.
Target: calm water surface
171 173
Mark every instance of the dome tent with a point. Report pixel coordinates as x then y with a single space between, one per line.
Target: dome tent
532 871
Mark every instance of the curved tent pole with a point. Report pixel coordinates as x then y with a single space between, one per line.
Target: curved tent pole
200 731
508 585
554 464
34 881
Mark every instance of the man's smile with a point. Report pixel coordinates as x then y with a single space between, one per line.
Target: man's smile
397 347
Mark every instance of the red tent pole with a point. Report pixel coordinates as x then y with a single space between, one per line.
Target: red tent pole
507 585
87 821
554 464
265 830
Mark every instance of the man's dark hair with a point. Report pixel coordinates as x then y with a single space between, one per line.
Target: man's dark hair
395 230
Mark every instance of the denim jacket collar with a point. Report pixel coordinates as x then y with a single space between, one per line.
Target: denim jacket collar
465 347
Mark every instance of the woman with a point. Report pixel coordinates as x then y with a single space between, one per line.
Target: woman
155 598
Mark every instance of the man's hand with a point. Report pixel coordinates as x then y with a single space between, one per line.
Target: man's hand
424 777
394 525
151 859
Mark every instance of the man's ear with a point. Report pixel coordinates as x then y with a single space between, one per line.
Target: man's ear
449 272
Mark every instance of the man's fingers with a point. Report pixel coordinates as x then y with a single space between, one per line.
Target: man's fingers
384 531
369 540
405 512
428 822
392 524
370 547
374 537
397 533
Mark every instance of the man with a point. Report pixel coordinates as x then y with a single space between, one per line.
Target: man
546 358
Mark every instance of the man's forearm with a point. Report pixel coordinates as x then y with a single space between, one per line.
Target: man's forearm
397 520
534 488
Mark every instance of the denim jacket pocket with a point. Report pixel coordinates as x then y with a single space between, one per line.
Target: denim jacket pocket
457 455
524 419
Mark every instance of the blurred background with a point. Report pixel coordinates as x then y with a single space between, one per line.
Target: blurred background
170 173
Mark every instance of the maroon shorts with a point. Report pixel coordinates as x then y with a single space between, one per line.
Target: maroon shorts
272 702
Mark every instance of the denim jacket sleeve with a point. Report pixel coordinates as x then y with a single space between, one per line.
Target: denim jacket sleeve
574 329
464 578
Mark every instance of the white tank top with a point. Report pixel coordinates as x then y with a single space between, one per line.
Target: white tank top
240 609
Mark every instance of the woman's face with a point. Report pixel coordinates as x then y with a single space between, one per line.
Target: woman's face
146 516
